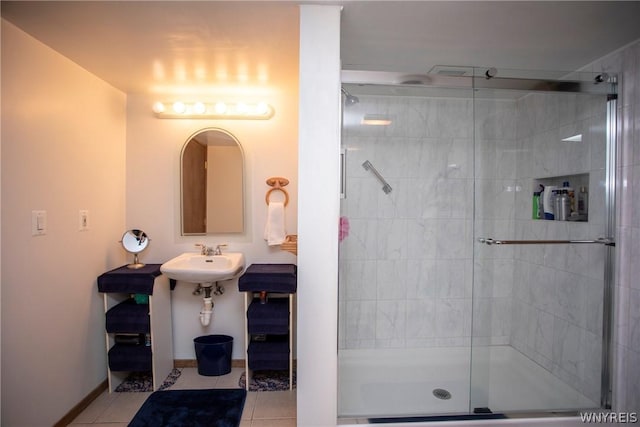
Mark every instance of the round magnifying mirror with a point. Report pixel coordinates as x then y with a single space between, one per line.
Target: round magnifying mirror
134 242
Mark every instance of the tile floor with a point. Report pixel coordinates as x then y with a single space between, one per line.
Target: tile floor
262 409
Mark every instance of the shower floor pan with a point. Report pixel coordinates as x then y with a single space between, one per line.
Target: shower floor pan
401 383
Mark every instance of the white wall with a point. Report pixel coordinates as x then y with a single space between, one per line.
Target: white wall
318 213
63 149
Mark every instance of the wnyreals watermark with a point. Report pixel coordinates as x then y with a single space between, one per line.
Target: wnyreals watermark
609 417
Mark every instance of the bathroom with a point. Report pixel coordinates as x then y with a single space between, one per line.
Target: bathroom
120 145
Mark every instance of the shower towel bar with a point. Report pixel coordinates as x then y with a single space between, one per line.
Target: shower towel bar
490 241
385 185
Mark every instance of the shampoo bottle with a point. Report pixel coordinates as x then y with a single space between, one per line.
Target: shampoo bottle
535 211
548 201
583 201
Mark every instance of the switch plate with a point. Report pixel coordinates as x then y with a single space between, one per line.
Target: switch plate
83 220
38 223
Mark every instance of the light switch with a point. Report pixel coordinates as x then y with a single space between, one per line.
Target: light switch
38 223
83 220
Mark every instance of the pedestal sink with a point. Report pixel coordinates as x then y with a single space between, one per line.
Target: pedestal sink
196 268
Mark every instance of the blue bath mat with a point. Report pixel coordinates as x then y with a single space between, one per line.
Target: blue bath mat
196 408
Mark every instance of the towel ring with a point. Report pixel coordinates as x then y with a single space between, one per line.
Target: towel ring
277 183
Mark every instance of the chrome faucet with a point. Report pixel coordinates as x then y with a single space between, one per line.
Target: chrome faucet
209 250
204 249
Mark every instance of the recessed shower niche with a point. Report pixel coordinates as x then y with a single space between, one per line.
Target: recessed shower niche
567 197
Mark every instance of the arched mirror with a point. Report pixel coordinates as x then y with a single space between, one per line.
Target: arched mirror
212 178
135 241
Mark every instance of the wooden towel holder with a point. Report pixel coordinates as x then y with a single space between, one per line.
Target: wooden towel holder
277 183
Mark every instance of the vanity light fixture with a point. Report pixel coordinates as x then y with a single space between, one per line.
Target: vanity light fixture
212 110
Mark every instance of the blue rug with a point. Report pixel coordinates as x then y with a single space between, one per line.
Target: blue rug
194 408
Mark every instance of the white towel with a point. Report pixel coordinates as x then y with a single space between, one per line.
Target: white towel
274 232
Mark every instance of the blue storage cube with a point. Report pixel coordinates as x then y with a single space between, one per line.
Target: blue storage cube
272 354
128 317
269 318
269 277
125 357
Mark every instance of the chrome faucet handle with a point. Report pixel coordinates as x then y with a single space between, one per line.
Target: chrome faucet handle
203 248
219 247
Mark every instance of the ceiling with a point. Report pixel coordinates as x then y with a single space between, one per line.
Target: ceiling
173 46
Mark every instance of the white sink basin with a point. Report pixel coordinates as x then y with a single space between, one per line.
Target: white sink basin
195 268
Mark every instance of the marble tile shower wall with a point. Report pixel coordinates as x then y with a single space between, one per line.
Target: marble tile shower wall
558 289
406 266
495 193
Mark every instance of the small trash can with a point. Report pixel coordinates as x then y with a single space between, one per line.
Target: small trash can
213 354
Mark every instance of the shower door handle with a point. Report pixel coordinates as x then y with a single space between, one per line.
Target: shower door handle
343 173
607 241
385 185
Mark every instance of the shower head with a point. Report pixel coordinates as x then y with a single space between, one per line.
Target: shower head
349 99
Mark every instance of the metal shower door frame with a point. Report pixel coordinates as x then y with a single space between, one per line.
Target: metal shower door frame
603 84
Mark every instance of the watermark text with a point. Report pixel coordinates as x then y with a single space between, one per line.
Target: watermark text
609 417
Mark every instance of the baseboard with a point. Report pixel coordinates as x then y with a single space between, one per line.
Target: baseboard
84 403
193 363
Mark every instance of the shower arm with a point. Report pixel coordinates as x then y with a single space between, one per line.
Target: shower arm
489 241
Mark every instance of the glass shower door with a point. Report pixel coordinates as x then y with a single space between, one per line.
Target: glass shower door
452 299
406 251
541 286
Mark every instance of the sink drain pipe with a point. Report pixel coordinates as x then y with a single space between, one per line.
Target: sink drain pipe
205 313
207 309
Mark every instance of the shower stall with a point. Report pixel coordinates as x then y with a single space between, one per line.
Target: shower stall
456 296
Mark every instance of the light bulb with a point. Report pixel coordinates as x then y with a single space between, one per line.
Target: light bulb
199 108
242 108
220 107
262 108
158 107
179 107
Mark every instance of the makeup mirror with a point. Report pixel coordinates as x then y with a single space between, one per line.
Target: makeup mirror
135 241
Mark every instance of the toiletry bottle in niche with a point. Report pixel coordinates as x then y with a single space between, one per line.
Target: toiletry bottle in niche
556 204
562 205
535 205
583 201
548 201
572 198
